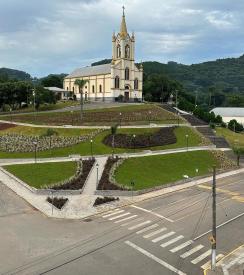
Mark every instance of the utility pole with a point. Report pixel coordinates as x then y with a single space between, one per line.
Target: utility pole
196 98
213 238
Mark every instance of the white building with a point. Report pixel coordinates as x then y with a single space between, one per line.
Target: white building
229 113
120 78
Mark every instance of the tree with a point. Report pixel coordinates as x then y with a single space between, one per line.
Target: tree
81 83
234 126
53 80
113 133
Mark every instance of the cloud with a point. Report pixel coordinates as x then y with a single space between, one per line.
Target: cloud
55 36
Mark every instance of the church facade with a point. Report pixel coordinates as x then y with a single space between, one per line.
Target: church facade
122 79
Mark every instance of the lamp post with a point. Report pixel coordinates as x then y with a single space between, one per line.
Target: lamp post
134 140
97 166
71 112
149 117
34 101
120 119
187 142
11 118
132 187
35 144
91 148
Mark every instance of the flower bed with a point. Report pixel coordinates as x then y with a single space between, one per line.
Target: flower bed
105 182
23 143
57 202
78 180
164 136
103 200
4 126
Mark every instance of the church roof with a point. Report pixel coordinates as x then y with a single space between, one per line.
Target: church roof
123 27
92 70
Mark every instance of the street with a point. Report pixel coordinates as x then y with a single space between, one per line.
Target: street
164 235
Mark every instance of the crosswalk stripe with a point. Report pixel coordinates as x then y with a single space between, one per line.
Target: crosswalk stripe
208 264
163 237
191 251
147 228
139 225
181 246
154 233
120 216
172 241
126 219
113 213
136 220
201 257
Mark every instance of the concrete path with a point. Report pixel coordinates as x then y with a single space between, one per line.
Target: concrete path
152 125
124 155
94 176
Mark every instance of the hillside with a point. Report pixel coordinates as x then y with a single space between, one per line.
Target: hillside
6 73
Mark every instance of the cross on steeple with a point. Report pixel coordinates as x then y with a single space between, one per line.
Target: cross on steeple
123 10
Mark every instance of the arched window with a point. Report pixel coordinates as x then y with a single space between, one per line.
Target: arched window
127 51
136 84
100 89
127 74
73 89
116 82
118 51
67 88
93 89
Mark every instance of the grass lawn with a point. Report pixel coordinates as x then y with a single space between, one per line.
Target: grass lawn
38 131
40 174
152 171
130 115
234 139
99 148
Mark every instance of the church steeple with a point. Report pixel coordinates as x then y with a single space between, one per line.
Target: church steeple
123 27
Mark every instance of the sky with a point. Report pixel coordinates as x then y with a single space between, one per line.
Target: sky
56 36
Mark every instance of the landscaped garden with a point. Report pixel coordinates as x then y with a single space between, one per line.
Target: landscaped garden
236 140
40 175
151 171
97 147
129 115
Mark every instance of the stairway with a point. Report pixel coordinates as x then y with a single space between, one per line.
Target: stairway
194 121
168 108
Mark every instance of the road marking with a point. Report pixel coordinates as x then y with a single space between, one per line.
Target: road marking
191 251
230 264
126 219
113 213
156 259
136 220
139 225
120 216
181 246
147 228
202 257
154 233
172 241
220 225
163 237
153 213
208 264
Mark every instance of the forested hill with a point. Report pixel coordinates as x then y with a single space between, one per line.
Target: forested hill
224 74
6 73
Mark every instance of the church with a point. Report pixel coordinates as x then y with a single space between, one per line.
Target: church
120 80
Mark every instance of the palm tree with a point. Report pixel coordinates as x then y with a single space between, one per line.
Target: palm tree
113 133
81 83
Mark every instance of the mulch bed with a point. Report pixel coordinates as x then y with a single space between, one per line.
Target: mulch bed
100 200
57 202
78 184
104 183
4 126
164 136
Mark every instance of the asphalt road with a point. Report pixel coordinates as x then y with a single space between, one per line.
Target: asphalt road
145 238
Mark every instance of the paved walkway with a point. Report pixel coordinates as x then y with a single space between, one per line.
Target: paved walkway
95 176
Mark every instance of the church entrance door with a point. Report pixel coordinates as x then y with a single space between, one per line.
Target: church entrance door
127 93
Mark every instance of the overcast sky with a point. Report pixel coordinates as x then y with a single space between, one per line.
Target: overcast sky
55 36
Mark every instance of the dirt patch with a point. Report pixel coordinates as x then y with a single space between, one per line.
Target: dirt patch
4 126
103 200
57 202
164 136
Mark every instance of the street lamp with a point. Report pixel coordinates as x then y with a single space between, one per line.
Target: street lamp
132 187
97 166
134 140
149 117
91 148
187 142
120 119
11 118
35 144
72 117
